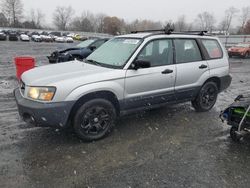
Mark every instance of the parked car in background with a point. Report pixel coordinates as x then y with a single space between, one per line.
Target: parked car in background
55 34
64 39
59 39
240 50
46 38
36 38
69 39
24 37
44 33
13 36
81 51
33 33
3 36
79 37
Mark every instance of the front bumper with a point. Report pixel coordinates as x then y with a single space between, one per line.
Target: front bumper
43 114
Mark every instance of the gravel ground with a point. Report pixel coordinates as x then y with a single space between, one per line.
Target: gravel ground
168 147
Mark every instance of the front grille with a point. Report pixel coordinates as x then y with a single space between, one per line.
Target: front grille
22 86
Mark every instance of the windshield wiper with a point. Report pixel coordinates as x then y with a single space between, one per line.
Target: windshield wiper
94 62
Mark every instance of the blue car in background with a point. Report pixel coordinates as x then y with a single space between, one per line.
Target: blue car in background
81 51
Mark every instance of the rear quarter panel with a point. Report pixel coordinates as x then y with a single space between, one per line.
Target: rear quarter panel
219 67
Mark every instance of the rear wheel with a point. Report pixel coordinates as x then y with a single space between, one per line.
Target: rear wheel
94 119
246 55
206 97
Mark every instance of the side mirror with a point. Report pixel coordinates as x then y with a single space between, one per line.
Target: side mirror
137 64
92 48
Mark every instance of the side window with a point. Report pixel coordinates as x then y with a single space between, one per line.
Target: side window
213 48
157 52
187 50
98 43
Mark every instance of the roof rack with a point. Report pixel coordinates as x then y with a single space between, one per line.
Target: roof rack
169 31
165 31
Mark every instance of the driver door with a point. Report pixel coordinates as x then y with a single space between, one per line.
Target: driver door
154 85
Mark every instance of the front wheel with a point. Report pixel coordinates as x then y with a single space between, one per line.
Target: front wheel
206 97
94 119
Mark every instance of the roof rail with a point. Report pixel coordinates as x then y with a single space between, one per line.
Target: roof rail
165 31
171 31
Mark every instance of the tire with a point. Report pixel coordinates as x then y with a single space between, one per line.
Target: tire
94 119
234 136
246 55
206 97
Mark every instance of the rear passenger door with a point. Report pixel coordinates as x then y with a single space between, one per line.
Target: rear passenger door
191 68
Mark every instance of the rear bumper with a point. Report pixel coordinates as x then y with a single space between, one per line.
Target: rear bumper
43 114
225 82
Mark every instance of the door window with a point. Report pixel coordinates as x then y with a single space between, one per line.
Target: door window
187 50
98 43
157 52
213 49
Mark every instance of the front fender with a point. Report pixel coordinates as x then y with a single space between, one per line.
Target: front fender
116 87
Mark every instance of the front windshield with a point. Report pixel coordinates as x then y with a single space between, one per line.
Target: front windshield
85 43
243 45
115 52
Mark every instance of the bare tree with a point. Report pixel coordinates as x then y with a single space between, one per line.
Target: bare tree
181 24
13 10
222 26
229 15
112 25
3 20
86 22
206 21
36 18
62 17
143 25
245 15
247 27
99 22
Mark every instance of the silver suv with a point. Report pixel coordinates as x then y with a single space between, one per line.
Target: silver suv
128 73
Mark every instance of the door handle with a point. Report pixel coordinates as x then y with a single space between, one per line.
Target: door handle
167 71
203 66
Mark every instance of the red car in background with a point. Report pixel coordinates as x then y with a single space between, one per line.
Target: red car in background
240 50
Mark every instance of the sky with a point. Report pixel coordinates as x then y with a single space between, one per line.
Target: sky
156 10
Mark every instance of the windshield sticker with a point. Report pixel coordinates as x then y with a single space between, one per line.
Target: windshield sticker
131 41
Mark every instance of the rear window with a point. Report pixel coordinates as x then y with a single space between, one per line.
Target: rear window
213 48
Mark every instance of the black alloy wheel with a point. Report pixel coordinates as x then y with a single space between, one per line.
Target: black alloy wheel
206 98
94 119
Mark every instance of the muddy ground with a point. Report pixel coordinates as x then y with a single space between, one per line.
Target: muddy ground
169 147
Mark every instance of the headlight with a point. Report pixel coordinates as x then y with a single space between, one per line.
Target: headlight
41 93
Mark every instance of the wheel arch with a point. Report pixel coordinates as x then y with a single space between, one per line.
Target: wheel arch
108 95
215 80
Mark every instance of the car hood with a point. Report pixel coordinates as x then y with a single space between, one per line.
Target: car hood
67 74
70 49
